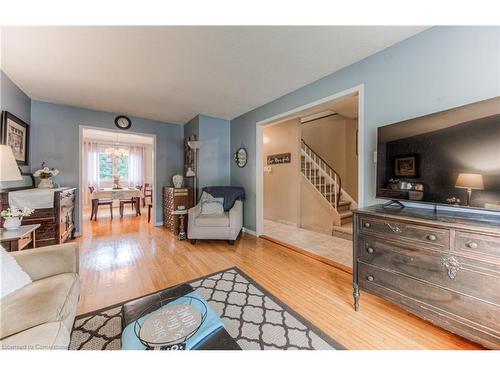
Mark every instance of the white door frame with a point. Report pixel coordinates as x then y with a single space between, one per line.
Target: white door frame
80 168
259 167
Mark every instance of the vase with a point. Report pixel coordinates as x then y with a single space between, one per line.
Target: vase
177 181
11 223
46 183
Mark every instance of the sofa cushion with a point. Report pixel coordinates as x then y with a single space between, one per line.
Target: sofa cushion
12 275
52 335
213 220
47 300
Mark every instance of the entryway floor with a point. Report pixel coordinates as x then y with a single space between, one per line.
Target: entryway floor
332 248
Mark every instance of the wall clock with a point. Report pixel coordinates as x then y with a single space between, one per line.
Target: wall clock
123 122
240 157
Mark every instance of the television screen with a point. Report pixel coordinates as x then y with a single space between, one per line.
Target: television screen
450 157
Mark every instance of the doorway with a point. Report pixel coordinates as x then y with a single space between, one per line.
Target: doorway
116 178
309 176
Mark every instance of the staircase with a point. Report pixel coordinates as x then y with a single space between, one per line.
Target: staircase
327 182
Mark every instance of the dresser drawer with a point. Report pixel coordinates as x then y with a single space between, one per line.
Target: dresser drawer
406 291
419 235
478 245
457 273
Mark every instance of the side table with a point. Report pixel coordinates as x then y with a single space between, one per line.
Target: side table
22 237
182 230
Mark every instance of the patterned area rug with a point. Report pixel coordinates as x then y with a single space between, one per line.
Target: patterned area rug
252 316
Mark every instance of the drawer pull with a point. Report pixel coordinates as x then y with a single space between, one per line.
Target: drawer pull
394 228
370 250
452 265
370 278
472 245
367 225
431 237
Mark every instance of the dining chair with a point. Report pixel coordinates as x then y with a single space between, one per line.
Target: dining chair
150 205
148 193
99 202
130 201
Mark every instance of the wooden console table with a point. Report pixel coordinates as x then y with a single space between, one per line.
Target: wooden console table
19 239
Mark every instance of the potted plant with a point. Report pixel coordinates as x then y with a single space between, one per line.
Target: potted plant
46 175
13 216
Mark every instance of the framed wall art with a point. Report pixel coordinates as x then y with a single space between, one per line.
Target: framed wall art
16 133
405 166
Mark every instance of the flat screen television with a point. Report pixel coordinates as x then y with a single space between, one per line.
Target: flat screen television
445 158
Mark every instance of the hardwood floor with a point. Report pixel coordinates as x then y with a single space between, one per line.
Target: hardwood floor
126 258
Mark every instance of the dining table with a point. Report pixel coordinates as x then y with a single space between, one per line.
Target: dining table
119 193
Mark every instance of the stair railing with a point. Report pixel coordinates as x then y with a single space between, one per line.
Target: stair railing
331 178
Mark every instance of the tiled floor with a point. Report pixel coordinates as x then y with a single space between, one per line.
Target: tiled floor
334 248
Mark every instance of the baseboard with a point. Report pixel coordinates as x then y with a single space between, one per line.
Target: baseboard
249 231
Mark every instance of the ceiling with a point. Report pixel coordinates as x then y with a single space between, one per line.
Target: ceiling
172 74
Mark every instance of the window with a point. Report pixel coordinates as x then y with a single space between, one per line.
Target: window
106 168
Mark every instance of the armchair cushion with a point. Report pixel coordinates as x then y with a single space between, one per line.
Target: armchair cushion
213 220
230 194
51 299
49 260
211 205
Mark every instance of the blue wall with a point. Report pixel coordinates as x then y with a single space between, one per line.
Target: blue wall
440 68
55 137
214 158
13 99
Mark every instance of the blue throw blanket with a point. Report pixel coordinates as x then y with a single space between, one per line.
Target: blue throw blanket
230 194
211 324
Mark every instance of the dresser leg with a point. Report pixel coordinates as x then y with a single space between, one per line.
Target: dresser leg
355 293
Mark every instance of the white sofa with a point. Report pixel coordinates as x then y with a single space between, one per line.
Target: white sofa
225 226
41 314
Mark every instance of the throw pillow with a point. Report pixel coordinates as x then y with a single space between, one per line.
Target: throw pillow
13 276
211 205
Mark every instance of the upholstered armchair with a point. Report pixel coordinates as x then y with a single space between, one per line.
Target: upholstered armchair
219 226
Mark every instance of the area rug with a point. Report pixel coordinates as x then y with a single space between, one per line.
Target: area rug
255 318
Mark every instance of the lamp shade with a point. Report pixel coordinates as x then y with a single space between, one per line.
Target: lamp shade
470 181
194 144
9 170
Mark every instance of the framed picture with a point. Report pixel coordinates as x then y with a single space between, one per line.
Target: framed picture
279 158
16 133
406 166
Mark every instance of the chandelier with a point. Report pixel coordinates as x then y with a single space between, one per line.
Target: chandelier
116 152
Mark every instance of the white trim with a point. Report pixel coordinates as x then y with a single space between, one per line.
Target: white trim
249 231
80 167
259 167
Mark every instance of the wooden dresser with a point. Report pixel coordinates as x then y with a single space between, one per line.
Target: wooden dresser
443 266
57 224
172 198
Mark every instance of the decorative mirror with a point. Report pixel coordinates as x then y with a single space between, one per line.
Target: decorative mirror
240 157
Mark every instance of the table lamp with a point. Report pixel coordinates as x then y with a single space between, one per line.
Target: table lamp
9 171
469 181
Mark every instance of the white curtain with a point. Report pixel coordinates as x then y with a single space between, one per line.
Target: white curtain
137 165
90 167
